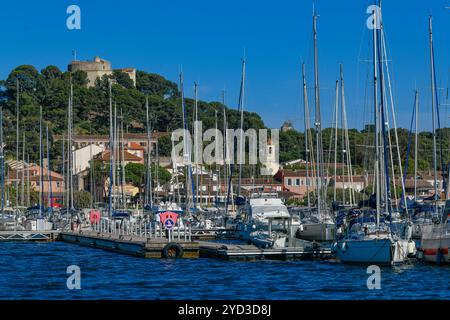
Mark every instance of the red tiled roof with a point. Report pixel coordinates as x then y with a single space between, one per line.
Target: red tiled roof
105 156
135 146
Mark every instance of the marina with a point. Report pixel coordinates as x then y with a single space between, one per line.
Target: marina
123 183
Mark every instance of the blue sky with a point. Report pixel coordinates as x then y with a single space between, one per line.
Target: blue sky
208 38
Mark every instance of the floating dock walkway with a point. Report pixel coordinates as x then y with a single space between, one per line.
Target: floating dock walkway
133 244
49 235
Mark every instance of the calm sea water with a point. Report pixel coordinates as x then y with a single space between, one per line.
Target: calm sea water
38 271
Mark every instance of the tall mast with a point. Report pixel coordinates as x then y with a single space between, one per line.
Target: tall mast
186 149
194 128
225 151
22 196
318 125
115 155
376 116
41 178
336 120
433 106
63 172
383 119
416 144
307 124
28 181
157 169
17 145
346 154
123 164
91 172
241 142
111 151
344 130
69 150
148 193
2 160
48 171
216 161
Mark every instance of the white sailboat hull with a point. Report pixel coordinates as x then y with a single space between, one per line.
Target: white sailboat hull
435 244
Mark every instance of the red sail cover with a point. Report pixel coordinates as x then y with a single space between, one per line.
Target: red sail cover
163 216
94 216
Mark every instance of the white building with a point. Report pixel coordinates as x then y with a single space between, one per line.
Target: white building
83 156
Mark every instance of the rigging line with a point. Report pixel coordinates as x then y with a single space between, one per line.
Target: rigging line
347 142
383 127
383 42
409 142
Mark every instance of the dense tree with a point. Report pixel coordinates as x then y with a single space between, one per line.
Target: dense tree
123 79
154 84
50 89
82 199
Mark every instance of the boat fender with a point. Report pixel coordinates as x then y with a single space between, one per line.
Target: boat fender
344 246
172 250
411 248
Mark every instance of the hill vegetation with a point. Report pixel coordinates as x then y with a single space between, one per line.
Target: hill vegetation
50 89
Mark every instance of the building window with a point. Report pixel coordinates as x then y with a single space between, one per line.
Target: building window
289 182
297 182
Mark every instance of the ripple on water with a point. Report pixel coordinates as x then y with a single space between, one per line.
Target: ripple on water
38 271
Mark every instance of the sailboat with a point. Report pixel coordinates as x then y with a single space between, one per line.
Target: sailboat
435 241
368 240
316 223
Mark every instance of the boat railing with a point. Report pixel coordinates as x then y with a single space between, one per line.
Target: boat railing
145 229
